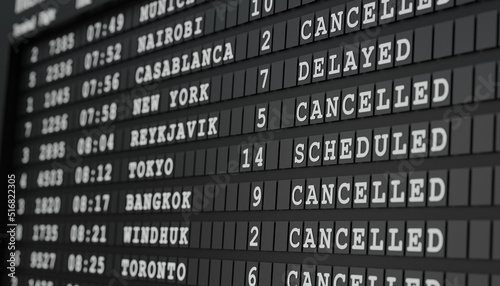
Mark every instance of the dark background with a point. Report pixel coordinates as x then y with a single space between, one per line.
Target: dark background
8 99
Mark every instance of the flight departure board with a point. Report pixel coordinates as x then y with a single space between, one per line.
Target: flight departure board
251 142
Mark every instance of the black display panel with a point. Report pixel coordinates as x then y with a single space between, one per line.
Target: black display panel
251 142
